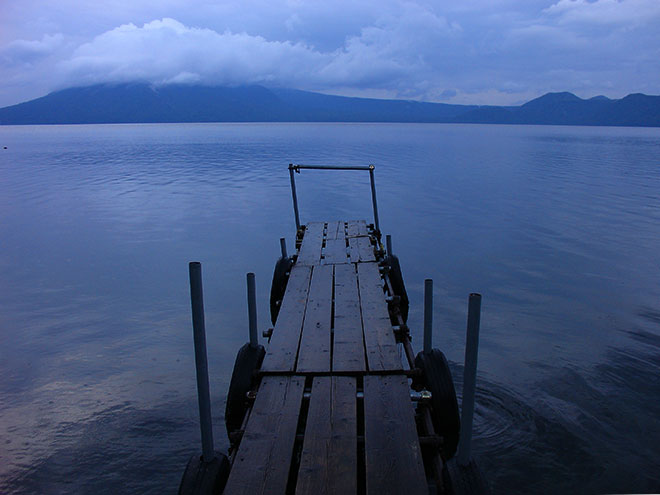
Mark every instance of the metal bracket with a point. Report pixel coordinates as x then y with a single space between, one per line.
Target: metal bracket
297 168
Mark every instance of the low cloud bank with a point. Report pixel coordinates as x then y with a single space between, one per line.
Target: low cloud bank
475 52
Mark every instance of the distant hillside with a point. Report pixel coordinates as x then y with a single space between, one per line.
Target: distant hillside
133 103
568 109
126 103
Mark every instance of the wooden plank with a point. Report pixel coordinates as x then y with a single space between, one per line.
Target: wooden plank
354 249
263 459
334 251
360 247
314 354
328 464
283 348
365 249
392 453
348 346
379 340
310 249
335 230
357 228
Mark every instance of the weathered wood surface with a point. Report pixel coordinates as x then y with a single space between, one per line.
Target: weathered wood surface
393 456
302 340
335 230
335 250
283 347
357 228
314 353
333 325
310 249
359 242
328 463
348 349
262 462
380 343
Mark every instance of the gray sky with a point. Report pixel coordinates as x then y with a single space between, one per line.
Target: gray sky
469 51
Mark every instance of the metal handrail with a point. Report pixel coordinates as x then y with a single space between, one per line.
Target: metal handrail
297 168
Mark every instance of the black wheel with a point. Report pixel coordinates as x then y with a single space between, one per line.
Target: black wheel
444 406
205 478
248 360
278 286
398 287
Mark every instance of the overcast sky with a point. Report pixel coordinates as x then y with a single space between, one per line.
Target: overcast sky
468 51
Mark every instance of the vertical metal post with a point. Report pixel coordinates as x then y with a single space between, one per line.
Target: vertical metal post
373 196
283 247
388 244
252 309
469 378
199 337
428 315
295 197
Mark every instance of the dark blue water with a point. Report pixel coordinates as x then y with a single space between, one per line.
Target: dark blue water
557 227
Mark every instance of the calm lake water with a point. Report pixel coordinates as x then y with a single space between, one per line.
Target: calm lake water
557 227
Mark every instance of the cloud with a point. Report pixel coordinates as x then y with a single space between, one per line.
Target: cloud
606 12
164 51
501 51
28 51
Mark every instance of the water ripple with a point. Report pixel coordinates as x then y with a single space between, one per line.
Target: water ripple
556 226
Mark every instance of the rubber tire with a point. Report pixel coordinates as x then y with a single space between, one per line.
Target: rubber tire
248 360
444 405
465 480
398 286
205 478
278 286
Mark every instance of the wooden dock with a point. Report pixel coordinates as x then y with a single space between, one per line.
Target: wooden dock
328 407
332 412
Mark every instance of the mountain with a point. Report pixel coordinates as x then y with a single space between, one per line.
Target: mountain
136 102
568 109
125 103
326 108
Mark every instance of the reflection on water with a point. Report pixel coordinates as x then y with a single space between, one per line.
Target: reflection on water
558 228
